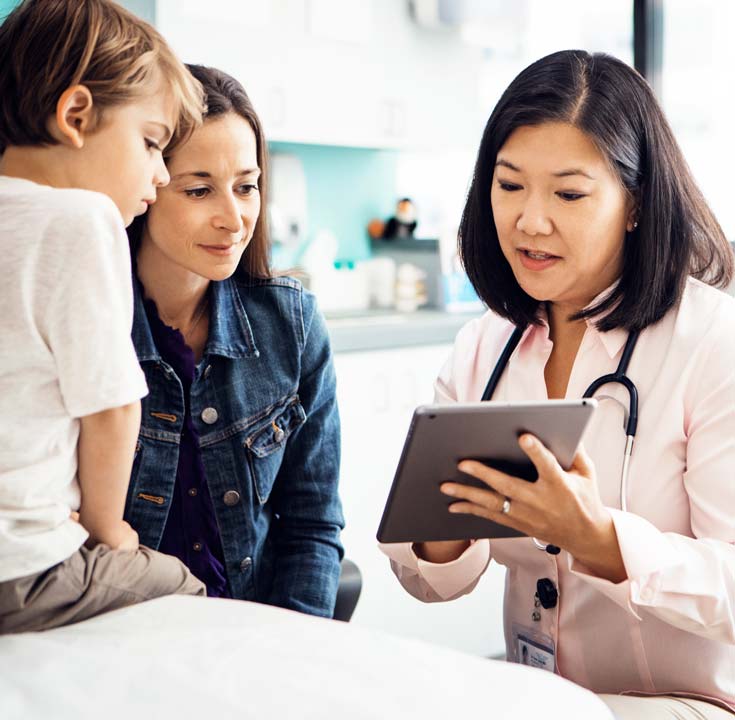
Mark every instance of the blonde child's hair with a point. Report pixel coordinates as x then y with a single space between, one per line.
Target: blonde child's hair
47 46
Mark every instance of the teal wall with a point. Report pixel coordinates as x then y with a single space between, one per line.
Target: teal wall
345 188
6 7
143 8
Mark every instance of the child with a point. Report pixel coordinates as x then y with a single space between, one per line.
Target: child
90 97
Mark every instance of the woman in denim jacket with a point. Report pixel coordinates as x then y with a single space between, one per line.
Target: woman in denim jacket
237 462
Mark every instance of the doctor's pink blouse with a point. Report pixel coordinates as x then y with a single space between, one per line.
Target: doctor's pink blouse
670 627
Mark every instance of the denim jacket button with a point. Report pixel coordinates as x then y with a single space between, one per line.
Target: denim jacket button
278 434
209 415
231 497
245 563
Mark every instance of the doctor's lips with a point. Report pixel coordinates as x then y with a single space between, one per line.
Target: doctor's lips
536 259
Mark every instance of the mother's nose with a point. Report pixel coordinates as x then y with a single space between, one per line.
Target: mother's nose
227 215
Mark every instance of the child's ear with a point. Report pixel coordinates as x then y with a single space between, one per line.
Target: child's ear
74 115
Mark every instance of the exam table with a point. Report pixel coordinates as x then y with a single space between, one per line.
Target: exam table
187 657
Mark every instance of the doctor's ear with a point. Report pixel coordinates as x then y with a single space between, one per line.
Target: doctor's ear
75 116
633 213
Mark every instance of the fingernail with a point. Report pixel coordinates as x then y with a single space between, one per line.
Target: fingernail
447 489
526 442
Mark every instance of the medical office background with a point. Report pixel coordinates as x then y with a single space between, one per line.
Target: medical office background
368 101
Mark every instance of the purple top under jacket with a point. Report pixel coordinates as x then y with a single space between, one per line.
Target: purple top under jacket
191 533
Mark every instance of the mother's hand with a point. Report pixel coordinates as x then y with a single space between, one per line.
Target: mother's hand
562 507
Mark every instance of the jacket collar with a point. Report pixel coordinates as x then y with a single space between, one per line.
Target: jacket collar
230 333
142 336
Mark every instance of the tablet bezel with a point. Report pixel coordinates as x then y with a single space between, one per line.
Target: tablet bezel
441 435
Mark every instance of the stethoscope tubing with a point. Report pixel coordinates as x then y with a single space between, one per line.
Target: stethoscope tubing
619 377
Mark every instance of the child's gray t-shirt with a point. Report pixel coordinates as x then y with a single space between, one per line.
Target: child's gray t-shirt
65 352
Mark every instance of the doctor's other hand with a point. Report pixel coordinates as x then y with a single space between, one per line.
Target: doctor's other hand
562 507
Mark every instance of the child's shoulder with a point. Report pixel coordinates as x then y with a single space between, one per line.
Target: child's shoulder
56 209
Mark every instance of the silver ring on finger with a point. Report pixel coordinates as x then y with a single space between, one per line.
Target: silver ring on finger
505 509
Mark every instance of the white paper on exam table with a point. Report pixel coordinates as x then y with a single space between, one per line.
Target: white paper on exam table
184 657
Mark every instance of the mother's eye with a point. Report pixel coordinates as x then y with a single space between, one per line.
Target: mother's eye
247 189
199 192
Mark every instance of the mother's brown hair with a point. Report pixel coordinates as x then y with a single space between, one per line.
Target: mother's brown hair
224 94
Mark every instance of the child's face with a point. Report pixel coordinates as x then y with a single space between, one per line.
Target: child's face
205 218
122 156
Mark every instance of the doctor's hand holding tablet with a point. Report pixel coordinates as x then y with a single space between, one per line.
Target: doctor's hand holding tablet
599 260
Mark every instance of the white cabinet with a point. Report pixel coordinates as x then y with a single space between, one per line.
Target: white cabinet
377 392
335 72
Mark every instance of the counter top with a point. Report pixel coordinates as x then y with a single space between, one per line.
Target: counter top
387 329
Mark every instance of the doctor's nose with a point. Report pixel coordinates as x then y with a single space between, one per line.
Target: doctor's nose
534 220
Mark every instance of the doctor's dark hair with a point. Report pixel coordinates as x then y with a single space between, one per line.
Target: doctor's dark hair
677 234
223 94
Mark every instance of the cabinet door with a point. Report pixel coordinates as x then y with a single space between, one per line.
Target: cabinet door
334 72
377 393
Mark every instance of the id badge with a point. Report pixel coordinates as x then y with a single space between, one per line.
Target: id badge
533 648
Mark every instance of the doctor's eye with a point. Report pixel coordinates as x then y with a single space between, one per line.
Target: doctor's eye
247 189
509 187
571 196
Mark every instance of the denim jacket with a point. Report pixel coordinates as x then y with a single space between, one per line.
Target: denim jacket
264 406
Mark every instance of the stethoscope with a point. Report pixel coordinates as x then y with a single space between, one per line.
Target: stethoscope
619 377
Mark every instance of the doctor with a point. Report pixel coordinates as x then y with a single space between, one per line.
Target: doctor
582 226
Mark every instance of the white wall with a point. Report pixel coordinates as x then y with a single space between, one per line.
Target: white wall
377 393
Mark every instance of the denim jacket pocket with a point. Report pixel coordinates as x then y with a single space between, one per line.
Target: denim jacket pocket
267 441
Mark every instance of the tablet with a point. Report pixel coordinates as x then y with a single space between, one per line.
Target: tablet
442 435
